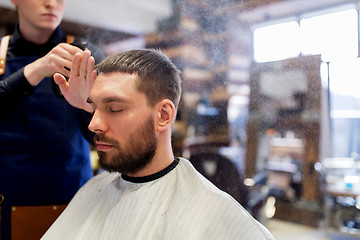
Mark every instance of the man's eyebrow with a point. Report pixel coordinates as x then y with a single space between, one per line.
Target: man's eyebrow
109 100
114 99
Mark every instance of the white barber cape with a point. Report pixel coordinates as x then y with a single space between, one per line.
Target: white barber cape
176 203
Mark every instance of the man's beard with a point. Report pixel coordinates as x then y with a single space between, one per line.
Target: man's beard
135 155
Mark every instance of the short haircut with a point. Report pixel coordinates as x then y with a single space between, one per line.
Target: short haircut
159 78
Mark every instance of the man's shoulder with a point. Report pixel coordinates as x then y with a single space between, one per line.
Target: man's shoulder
214 207
201 188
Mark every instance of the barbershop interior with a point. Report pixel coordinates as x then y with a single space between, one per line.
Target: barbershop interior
270 109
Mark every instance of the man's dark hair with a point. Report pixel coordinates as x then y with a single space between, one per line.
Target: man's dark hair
159 78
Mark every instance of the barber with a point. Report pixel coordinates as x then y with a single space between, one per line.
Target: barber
44 141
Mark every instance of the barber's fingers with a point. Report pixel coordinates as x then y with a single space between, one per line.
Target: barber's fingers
61 81
80 66
75 65
91 64
91 72
93 76
84 64
63 54
68 51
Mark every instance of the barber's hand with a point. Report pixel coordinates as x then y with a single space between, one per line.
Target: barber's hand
81 80
58 60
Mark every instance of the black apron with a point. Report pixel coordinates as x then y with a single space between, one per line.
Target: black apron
44 158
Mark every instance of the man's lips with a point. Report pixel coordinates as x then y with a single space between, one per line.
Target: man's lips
103 147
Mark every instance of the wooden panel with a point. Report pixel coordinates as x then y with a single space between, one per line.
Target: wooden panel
309 175
31 223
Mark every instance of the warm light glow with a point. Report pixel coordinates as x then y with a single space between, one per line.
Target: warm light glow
249 182
276 42
345 77
270 208
332 35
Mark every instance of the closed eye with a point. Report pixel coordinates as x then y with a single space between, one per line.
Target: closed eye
115 110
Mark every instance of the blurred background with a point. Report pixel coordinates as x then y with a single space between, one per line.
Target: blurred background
271 106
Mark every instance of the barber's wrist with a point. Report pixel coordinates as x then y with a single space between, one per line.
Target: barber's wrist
32 74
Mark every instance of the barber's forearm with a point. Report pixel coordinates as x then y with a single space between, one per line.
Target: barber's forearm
15 85
13 90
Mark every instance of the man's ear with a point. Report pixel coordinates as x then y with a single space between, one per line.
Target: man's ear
166 113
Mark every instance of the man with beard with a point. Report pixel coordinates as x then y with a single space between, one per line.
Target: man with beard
145 192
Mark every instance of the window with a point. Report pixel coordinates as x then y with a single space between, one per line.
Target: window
344 85
276 42
332 35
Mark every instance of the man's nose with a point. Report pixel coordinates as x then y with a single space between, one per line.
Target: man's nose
97 124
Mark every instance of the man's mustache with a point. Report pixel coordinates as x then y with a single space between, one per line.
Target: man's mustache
99 137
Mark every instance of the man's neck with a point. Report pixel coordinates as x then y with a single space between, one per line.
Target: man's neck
153 167
152 177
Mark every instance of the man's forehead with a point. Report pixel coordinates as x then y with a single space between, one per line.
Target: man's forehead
105 92
116 86
113 79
